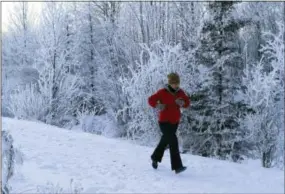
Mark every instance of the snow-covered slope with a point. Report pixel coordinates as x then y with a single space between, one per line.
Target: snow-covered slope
105 165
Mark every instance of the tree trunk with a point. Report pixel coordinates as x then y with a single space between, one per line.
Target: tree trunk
54 84
266 159
25 28
92 69
142 23
284 38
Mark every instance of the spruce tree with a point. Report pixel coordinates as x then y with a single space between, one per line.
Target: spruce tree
218 111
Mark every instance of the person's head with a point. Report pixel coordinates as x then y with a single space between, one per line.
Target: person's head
173 80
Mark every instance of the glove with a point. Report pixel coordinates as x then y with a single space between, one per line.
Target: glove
160 107
180 102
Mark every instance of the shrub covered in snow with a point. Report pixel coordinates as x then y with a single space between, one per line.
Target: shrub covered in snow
102 125
50 188
10 157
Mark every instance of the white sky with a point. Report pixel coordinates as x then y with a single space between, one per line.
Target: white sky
7 8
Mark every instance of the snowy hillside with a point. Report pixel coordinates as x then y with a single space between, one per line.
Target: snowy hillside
107 165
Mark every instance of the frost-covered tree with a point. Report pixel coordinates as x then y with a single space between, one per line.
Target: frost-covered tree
189 20
57 86
102 57
263 17
265 94
145 80
218 51
22 45
18 48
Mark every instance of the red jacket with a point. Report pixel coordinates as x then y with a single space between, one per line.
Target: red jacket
171 113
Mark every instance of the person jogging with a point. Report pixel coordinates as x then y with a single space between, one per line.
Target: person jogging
168 101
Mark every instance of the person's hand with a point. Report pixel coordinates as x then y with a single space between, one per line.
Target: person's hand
160 106
180 102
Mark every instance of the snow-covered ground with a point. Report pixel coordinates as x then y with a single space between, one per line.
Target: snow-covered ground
103 165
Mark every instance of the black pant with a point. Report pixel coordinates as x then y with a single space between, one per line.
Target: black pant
168 138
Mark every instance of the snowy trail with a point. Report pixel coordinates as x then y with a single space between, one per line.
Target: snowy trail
105 165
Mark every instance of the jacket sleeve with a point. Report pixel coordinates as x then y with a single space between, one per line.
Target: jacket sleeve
186 100
153 99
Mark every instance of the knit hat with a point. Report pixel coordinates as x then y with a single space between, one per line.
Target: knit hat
173 78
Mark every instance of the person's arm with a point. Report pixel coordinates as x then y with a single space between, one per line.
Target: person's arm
153 99
186 100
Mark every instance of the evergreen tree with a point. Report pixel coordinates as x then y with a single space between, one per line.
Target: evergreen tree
217 124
